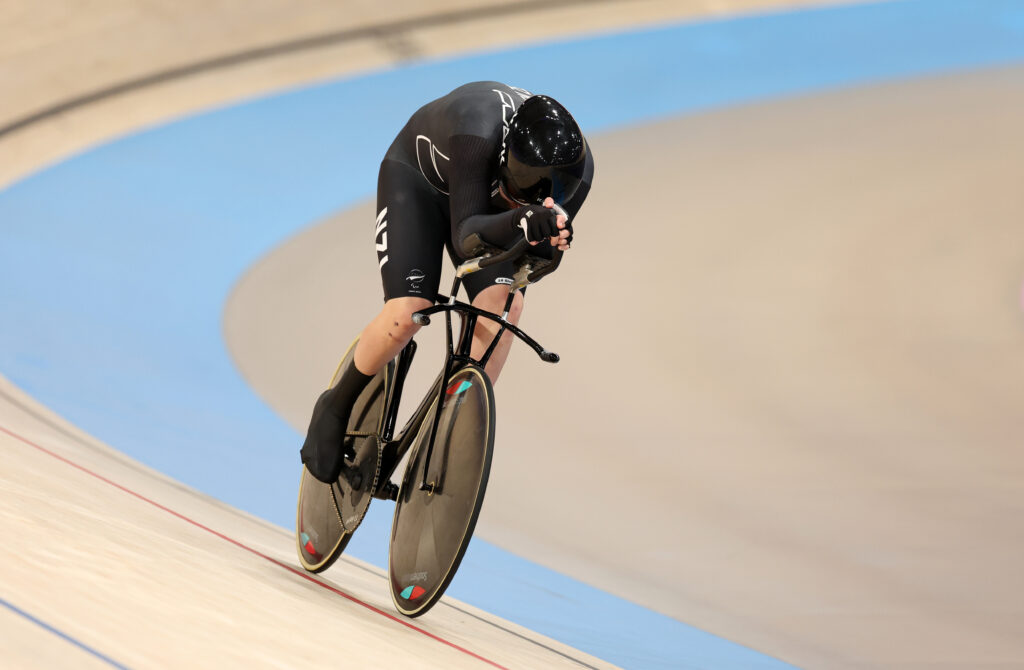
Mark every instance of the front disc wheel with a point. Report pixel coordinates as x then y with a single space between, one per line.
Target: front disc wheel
432 528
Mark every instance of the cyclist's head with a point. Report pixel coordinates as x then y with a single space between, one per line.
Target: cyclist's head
543 153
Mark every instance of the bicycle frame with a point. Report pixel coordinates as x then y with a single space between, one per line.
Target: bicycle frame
457 355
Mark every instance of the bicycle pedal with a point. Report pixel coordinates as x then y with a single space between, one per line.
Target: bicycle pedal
387 492
348 447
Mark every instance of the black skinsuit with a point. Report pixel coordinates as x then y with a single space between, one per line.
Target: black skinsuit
438 183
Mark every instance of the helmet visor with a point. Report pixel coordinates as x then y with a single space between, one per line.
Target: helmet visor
531 184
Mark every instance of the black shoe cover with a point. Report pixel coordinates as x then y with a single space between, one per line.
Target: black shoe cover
325 447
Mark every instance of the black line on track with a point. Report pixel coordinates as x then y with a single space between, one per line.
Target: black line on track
389 31
521 636
111 453
447 603
39 416
35 414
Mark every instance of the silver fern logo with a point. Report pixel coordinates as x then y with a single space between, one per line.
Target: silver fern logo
415 278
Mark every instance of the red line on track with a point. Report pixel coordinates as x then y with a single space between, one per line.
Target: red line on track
289 568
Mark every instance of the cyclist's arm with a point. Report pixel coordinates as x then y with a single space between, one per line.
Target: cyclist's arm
469 183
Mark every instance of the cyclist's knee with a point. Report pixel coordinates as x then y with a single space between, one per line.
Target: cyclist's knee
398 312
516 310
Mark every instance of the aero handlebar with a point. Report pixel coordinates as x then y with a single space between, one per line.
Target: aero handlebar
541 267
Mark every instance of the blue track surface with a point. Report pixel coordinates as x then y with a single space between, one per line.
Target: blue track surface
115 265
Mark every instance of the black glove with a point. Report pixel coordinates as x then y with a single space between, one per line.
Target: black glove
537 223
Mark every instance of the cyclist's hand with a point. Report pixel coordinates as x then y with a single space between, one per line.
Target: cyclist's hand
564 237
536 223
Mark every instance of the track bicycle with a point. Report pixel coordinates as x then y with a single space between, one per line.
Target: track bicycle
449 439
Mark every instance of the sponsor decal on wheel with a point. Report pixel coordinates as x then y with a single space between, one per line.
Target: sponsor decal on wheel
459 387
413 592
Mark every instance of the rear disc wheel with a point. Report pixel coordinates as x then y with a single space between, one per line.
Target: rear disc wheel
328 514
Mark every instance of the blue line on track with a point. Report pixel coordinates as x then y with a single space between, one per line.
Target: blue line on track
115 264
64 636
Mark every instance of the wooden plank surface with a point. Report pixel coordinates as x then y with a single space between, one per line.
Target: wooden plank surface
56 52
149 573
801 424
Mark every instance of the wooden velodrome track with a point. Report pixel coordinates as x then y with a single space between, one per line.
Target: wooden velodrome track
824 414
859 394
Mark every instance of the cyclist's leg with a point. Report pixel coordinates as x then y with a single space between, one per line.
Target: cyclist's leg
492 299
488 290
410 233
409 243
388 333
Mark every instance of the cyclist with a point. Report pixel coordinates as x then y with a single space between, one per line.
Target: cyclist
486 158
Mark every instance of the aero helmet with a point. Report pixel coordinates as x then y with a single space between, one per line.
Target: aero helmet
543 153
